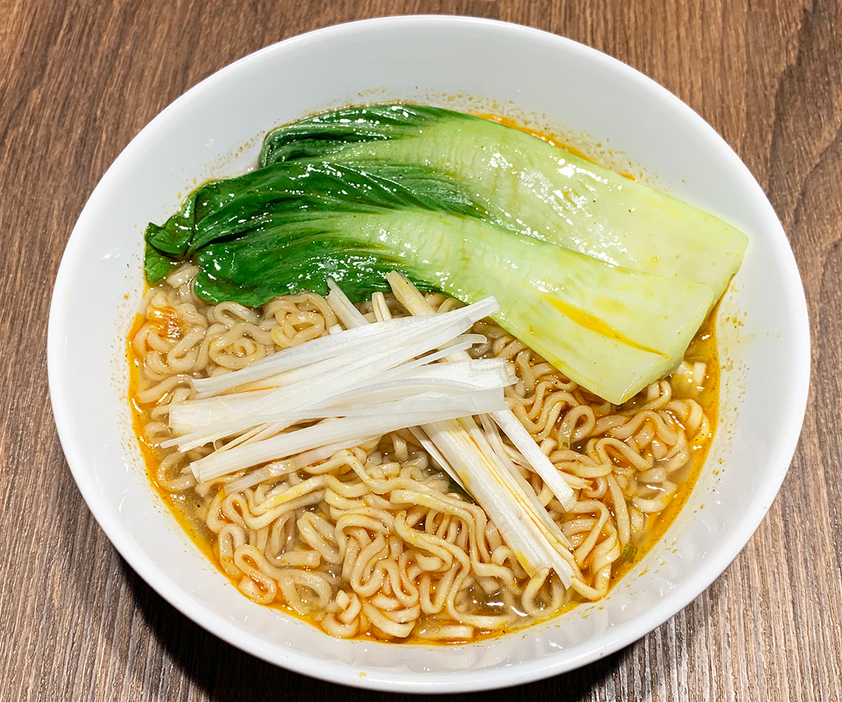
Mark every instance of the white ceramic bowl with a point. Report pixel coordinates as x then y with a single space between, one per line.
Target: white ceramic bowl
603 107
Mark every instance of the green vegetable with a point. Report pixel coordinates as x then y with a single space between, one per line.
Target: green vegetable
628 554
231 228
286 227
530 186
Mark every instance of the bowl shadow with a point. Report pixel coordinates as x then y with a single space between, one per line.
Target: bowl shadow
224 672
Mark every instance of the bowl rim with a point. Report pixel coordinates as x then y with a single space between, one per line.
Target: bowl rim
457 681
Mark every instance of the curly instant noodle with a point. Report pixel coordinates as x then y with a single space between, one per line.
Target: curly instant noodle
375 540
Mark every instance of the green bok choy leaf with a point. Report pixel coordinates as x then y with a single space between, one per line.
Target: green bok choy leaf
287 227
531 186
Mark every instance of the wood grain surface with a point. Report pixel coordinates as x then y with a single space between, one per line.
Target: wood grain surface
78 79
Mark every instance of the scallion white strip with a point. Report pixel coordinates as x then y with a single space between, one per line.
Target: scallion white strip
513 511
198 422
415 304
435 454
349 429
506 496
380 355
536 458
460 343
343 308
346 344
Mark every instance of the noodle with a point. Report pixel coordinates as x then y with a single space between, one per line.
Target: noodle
373 540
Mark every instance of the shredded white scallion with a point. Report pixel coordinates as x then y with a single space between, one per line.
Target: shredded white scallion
371 378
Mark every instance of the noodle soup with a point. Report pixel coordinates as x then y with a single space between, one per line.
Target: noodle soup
342 543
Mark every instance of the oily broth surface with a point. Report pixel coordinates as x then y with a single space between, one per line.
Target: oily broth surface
545 400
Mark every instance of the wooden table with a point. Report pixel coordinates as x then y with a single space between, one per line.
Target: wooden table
80 79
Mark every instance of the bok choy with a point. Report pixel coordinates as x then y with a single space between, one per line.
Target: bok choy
531 186
288 227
